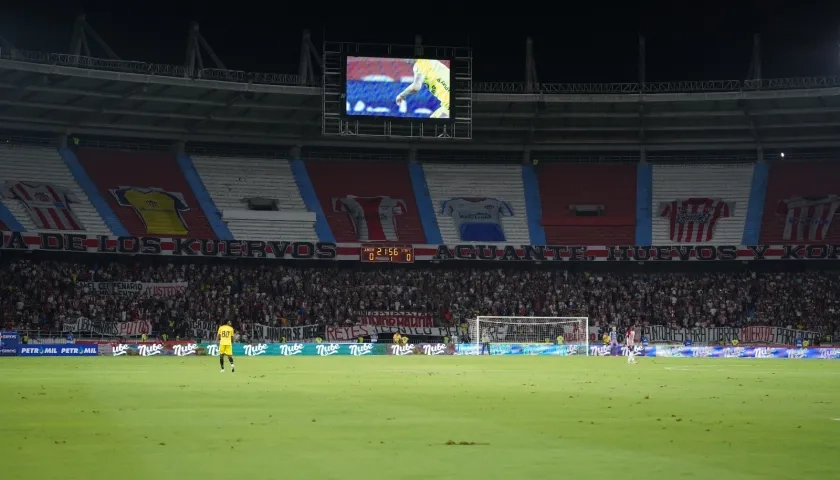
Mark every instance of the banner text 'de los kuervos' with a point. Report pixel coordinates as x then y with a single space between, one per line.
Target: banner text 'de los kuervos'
191 247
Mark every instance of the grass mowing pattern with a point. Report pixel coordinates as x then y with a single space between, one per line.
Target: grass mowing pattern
418 418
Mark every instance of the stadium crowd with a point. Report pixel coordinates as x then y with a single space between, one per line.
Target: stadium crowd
43 295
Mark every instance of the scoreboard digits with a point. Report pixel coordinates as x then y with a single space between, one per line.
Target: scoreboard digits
387 254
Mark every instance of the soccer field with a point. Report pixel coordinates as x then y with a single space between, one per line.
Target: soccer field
418 418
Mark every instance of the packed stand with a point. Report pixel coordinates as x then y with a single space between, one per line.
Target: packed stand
43 295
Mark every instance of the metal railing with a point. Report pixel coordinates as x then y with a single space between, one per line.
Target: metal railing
144 68
239 76
15 139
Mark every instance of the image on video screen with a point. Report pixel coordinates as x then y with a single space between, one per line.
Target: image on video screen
398 87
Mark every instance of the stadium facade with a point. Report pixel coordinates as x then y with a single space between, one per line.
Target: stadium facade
108 155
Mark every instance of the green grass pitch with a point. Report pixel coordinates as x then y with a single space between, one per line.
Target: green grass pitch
418 418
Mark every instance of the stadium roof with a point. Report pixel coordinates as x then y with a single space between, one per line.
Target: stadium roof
65 93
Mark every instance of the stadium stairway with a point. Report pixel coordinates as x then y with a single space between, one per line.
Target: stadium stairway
98 201
729 183
533 204
310 199
156 183
214 216
424 203
502 182
232 181
788 180
758 194
644 201
45 166
8 222
338 179
612 187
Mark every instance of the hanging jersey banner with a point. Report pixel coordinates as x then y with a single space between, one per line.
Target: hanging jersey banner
478 219
374 218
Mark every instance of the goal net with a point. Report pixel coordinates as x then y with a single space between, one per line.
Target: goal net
531 330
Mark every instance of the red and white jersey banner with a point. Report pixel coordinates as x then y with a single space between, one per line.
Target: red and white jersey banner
374 218
808 218
397 319
694 219
48 205
285 250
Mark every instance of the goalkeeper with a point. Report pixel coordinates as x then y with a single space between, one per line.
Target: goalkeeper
485 345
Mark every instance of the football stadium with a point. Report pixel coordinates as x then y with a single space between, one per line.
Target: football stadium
634 279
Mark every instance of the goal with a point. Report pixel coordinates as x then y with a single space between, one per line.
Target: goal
530 330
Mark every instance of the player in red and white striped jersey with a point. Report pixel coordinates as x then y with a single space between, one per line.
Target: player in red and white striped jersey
808 218
630 342
694 219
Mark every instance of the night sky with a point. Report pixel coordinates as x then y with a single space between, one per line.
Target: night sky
572 43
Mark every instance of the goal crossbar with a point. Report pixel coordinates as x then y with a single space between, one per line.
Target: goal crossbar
530 320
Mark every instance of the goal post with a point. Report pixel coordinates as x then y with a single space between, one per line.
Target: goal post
530 330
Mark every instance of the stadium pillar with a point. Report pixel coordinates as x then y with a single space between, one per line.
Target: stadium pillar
642 63
78 36
80 44
306 72
412 155
7 45
526 156
642 68
294 152
195 44
759 154
532 82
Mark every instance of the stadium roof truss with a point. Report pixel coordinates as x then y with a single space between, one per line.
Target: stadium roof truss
82 94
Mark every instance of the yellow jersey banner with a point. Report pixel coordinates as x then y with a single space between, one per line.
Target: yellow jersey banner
159 210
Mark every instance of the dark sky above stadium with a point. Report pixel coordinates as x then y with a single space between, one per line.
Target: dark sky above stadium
572 42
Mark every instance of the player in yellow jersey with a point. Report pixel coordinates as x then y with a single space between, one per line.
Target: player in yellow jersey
225 338
435 76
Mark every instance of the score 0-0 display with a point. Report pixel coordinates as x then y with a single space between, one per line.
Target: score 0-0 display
387 254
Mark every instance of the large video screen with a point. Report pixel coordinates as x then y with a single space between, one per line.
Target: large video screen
398 87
